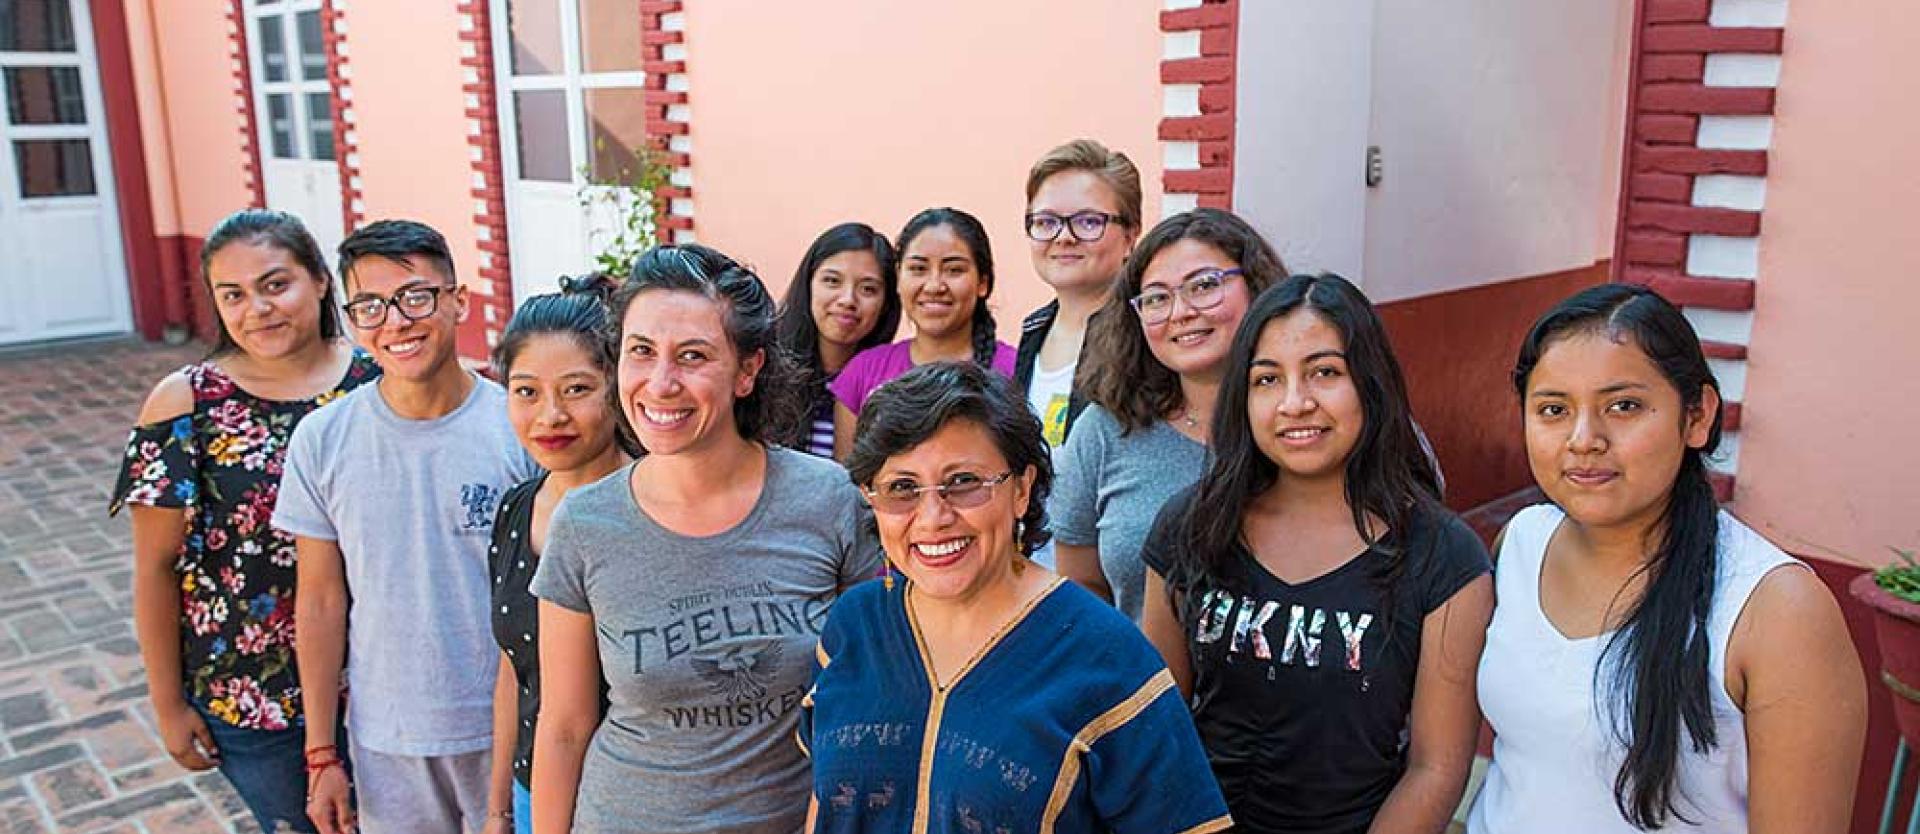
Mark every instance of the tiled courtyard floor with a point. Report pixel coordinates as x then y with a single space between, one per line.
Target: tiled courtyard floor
77 748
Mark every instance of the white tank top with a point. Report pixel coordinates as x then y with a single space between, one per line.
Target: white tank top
1555 754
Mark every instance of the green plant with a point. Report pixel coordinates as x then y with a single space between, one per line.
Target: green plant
1902 577
629 195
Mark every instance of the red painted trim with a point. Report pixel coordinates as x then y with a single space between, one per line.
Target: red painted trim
146 288
1689 291
492 309
345 147
249 128
1218 22
1629 162
654 39
1688 219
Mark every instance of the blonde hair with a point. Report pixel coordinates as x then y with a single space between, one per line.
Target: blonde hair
1113 168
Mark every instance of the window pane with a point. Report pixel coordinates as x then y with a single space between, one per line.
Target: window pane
280 126
273 49
609 35
534 28
313 47
616 129
36 26
45 96
540 126
320 125
54 167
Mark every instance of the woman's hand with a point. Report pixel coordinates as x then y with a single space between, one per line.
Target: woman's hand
329 801
186 736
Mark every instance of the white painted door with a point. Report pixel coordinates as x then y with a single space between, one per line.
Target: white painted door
62 269
293 106
571 109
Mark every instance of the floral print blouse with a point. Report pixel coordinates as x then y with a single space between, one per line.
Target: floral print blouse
222 464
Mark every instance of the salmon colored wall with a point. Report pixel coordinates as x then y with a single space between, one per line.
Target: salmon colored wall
410 120
810 114
1827 463
192 131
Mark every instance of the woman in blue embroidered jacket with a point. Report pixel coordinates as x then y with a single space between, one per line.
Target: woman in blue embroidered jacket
984 693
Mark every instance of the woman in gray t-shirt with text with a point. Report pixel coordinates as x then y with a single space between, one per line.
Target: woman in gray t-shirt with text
694 581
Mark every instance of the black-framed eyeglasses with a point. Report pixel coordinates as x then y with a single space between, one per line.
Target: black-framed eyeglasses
1202 291
414 304
961 491
1085 226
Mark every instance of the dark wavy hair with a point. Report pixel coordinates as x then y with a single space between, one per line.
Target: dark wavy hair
1117 369
799 334
1659 686
689 267
281 231
968 229
1388 474
578 312
906 411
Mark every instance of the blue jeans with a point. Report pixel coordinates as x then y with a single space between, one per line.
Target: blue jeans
522 809
268 769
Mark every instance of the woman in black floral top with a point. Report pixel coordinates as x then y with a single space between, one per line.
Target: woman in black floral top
213 581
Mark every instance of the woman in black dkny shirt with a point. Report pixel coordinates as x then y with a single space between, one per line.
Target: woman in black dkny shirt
1320 607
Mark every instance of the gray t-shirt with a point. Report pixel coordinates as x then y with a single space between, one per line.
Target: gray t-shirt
1108 488
706 644
411 504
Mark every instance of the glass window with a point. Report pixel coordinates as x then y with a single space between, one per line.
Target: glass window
609 35
273 48
616 127
54 167
540 126
280 125
36 26
320 125
313 47
45 96
533 26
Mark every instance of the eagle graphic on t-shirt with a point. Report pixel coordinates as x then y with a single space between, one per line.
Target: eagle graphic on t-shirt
740 673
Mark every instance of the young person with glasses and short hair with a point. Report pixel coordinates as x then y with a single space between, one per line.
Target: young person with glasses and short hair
213 589
391 493
1154 358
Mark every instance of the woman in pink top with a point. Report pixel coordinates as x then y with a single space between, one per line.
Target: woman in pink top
945 262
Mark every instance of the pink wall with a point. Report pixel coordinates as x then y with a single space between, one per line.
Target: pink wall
1827 465
191 131
410 119
810 114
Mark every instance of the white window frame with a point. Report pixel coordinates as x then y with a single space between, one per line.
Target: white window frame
296 87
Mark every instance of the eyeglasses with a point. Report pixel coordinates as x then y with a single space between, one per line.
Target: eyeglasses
1203 291
961 491
1085 226
414 304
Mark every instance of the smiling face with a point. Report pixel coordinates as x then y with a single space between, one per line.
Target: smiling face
413 350
1302 402
952 553
1606 432
679 372
557 402
269 303
848 292
940 282
1065 263
1193 342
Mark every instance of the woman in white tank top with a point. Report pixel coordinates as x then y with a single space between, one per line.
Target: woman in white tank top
1652 662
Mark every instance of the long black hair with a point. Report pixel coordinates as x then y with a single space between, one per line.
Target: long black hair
966 227
799 334
1388 475
775 400
914 406
1659 682
1118 370
286 233
578 312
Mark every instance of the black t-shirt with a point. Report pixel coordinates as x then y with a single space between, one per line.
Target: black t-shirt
516 613
1305 734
